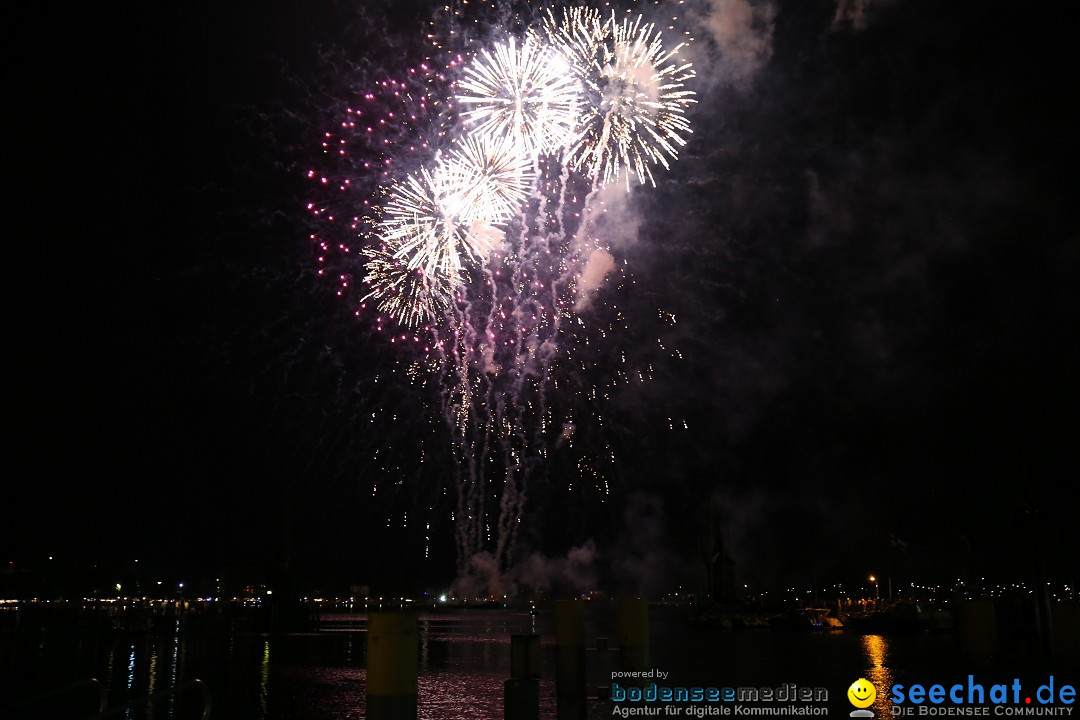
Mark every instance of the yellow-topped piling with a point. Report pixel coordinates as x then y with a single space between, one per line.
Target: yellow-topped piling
392 666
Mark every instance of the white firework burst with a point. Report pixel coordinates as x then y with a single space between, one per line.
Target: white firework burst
409 295
428 222
526 94
634 115
579 34
494 174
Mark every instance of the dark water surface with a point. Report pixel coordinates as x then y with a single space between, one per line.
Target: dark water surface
464 659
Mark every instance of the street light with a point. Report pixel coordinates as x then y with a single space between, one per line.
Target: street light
877 595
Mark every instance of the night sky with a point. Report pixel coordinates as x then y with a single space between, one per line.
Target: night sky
869 245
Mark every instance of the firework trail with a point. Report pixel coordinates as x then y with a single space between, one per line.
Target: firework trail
505 340
479 252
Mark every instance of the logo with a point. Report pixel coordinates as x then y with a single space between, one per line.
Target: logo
973 698
862 694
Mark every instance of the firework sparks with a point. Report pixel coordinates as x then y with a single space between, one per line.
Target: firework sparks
494 175
581 35
524 93
634 115
429 223
478 229
409 295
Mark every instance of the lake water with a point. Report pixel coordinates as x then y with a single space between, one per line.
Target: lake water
464 659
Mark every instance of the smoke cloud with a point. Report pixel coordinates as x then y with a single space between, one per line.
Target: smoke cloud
640 561
615 221
562 576
537 574
852 13
599 264
740 35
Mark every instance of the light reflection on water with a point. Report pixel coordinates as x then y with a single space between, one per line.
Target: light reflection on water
152 685
264 680
464 660
878 672
129 714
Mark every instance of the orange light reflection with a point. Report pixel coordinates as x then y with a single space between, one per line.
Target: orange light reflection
877 671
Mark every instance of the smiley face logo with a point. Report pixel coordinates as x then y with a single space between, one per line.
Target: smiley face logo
862 693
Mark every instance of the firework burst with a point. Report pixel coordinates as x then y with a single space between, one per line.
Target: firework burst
581 34
428 221
494 175
469 191
634 115
409 295
525 93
